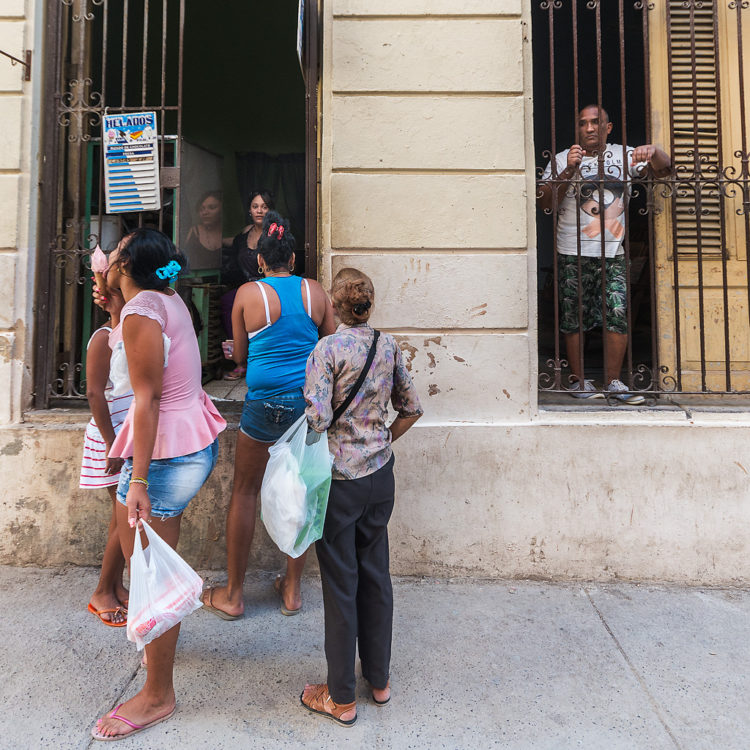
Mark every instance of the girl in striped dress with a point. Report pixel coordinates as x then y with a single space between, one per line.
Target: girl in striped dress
109 405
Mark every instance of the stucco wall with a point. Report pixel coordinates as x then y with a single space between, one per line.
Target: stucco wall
426 184
424 187
17 135
574 498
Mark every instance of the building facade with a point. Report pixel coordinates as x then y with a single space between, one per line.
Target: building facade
427 163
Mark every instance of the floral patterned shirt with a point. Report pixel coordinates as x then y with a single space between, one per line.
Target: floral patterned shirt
359 440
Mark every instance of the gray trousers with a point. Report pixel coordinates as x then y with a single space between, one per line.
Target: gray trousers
354 572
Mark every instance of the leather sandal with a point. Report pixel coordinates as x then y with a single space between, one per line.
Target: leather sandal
320 702
382 703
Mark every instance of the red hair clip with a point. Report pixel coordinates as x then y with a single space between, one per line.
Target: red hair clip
275 227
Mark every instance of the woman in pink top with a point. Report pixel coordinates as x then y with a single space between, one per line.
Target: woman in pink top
168 440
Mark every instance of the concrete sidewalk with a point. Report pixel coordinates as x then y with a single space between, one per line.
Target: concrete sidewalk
507 664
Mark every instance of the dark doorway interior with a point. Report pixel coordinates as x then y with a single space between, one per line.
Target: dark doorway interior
244 100
226 83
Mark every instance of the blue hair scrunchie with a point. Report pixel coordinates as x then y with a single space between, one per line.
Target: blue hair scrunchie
170 271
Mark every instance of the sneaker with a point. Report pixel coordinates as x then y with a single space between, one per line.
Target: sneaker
588 390
617 389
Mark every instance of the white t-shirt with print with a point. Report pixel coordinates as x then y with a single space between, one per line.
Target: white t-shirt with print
614 204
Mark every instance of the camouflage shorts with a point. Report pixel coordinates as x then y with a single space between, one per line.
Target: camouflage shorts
591 293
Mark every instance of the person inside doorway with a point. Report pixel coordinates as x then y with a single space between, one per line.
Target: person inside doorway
590 183
241 263
204 241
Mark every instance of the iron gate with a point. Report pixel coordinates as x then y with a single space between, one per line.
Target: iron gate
115 57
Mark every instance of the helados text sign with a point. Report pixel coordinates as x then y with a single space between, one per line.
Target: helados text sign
131 162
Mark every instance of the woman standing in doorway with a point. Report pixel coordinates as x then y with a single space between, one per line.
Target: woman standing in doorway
204 241
241 263
276 321
168 440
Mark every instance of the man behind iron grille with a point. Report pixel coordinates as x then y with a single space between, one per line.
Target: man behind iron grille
593 128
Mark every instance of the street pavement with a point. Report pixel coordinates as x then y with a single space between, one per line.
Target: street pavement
476 664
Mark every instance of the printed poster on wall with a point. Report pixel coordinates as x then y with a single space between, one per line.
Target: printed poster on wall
131 162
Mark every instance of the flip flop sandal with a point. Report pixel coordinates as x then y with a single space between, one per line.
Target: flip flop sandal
321 698
109 623
237 374
207 605
284 610
135 727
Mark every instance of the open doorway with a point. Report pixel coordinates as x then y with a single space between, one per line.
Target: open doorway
587 53
235 113
244 134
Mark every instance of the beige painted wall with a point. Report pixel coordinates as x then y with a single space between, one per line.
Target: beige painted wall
17 135
424 187
514 500
427 184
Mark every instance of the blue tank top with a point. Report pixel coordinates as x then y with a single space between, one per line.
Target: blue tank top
277 354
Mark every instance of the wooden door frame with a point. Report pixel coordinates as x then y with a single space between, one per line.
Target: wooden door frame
313 46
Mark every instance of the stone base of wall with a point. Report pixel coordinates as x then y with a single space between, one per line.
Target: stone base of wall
666 500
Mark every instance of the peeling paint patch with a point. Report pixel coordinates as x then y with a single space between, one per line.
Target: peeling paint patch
432 389
409 351
23 536
34 504
507 395
458 359
19 327
13 448
434 340
431 358
6 347
536 551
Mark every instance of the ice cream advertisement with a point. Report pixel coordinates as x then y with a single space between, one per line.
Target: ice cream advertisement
131 162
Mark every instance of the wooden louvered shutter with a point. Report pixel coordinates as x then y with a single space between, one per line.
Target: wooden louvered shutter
696 126
702 302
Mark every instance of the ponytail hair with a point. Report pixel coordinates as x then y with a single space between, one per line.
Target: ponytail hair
353 294
151 258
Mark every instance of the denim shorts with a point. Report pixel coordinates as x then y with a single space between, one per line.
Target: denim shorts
267 419
172 482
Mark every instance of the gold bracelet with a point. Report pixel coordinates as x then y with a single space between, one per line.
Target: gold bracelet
139 480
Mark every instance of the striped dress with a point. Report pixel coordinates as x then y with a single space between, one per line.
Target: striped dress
94 448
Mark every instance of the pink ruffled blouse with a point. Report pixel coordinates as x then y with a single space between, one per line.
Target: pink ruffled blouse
188 420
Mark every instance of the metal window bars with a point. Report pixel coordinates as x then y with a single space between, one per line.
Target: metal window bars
672 71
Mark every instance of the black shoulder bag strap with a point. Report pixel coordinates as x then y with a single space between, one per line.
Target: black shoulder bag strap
341 408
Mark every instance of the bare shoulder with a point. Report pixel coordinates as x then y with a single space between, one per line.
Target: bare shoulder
317 292
99 341
248 291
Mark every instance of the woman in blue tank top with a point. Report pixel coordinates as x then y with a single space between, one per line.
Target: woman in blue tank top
276 323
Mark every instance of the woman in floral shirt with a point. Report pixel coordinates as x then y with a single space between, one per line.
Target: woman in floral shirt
353 553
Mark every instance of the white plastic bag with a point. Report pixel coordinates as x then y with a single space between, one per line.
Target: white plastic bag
294 493
163 589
